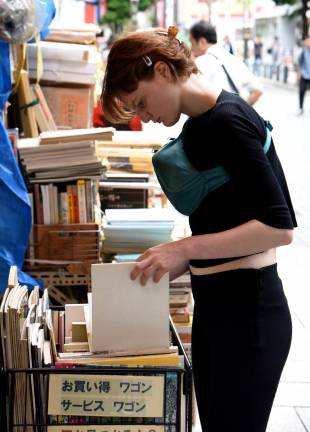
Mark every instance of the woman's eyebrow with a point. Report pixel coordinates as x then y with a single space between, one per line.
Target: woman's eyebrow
134 103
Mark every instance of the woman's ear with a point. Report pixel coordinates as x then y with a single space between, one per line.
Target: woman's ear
162 69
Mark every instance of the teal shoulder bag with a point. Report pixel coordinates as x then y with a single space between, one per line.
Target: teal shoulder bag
183 184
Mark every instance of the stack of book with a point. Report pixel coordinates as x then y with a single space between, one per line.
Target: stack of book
65 170
125 190
181 309
127 159
26 342
103 331
64 62
68 67
123 324
134 230
61 162
82 34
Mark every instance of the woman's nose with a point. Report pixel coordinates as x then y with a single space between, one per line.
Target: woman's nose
146 117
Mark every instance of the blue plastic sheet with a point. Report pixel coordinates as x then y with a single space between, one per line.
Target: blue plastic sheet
15 214
46 15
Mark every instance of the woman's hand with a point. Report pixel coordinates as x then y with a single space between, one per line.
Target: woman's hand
158 260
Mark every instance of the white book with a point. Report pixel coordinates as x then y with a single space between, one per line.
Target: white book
46 204
141 215
85 68
125 315
63 206
63 51
73 312
82 201
65 77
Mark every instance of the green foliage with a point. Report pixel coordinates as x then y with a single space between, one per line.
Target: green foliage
144 4
118 12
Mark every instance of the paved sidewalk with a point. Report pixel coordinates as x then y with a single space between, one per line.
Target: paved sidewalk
291 411
290 85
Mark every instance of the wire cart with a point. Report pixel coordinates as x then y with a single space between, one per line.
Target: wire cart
174 412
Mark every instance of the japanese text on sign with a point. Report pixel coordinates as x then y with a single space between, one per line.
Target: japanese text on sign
106 395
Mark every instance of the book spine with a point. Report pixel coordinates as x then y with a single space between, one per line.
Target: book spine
46 204
82 201
63 208
89 202
56 206
31 236
75 203
70 204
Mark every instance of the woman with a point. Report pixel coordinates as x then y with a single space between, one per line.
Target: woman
223 171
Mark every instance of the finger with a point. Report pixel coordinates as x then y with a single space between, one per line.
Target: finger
138 268
143 256
146 274
159 273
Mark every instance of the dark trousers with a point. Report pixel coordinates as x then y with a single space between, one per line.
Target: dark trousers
240 341
304 84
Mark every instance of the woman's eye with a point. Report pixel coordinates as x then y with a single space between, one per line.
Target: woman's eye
140 105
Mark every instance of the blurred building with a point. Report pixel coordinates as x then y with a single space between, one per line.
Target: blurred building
84 12
271 21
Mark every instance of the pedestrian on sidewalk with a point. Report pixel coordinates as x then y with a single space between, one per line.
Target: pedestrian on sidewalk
304 73
223 171
219 67
227 45
258 55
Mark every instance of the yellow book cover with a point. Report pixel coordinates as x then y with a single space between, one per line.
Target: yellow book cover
141 360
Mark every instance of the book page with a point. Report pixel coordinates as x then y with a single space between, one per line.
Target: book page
126 315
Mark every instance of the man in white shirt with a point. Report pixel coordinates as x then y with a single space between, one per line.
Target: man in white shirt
221 68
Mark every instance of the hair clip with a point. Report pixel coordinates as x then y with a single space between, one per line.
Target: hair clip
172 32
147 61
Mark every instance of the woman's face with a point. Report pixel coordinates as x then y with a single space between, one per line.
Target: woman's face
158 100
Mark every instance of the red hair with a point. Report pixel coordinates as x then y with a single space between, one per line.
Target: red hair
132 58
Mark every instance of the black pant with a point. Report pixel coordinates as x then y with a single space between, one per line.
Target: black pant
240 341
304 84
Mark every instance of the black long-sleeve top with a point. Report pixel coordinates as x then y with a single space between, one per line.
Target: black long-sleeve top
232 135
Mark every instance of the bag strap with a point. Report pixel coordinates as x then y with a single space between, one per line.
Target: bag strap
229 78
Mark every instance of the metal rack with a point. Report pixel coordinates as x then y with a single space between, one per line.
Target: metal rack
177 398
55 279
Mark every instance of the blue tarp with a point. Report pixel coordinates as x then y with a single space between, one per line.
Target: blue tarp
49 14
15 214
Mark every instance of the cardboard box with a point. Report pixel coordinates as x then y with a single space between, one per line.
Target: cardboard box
71 107
71 242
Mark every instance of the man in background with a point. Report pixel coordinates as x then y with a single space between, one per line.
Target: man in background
221 68
227 45
258 55
304 73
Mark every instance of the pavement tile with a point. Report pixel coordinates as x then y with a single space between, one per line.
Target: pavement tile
284 419
293 394
296 371
304 414
300 348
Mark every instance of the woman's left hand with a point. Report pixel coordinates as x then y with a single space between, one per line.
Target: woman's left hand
158 260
